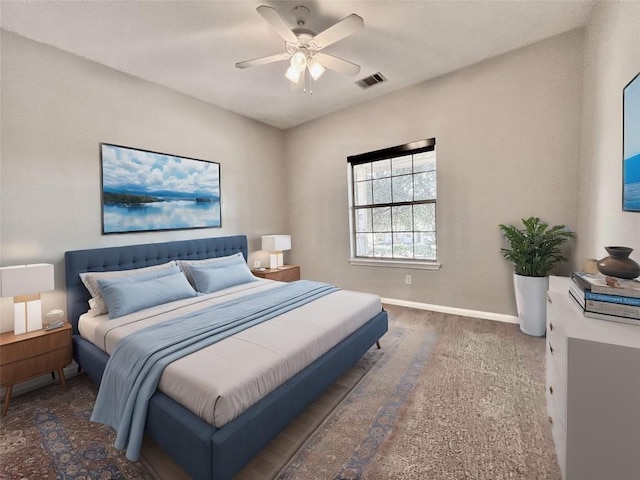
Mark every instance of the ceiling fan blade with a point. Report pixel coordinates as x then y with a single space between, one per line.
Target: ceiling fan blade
343 28
263 60
337 64
276 21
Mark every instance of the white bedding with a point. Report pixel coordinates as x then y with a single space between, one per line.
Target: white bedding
221 381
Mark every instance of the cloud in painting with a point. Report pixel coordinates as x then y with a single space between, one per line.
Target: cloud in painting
147 172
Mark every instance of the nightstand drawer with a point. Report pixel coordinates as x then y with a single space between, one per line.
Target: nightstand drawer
31 347
288 273
29 355
32 367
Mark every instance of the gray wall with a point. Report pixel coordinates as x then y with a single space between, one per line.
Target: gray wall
57 107
612 58
508 136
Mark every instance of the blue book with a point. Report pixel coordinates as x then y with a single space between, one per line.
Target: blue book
603 316
604 297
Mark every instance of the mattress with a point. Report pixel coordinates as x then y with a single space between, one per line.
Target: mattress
220 382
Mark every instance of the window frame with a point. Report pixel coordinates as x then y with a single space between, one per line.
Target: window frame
407 149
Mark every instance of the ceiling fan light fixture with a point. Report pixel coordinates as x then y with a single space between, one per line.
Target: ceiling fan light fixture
316 69
299 60
293 74
302 45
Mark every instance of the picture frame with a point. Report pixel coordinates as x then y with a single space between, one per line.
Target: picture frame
631 145
144 190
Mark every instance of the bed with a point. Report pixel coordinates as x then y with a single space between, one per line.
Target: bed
203 450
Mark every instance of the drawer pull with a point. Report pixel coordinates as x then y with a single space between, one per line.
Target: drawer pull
549 298
550 421
551 389
551 326
550 348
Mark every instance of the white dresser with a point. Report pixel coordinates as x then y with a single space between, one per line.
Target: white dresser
593 391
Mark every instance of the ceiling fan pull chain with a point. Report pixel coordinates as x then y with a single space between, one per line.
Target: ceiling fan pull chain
307 82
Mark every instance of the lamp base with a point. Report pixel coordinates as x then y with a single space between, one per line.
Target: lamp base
273 261
27 311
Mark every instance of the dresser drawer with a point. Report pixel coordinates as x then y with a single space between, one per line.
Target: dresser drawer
559 434
31 347
32 367
556 392
557 344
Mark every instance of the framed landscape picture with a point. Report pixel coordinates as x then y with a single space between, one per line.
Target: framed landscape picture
149 191
631 146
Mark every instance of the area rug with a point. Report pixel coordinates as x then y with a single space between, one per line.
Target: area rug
455 398
446 398
47 435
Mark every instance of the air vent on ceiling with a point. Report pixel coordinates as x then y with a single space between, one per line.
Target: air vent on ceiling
371 80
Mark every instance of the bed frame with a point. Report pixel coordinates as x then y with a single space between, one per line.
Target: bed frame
202 450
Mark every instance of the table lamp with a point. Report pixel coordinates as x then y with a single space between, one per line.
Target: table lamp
276 244
25 283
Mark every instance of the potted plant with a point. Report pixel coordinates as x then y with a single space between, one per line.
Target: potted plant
534 251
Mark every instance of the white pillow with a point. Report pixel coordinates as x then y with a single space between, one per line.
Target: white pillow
90 280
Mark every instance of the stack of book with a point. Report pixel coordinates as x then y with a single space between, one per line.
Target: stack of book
606 298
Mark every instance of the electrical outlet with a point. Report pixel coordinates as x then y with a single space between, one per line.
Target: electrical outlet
407 279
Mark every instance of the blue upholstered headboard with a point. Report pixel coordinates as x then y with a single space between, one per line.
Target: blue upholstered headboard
137 256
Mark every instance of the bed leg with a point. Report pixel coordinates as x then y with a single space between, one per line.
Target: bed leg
378 345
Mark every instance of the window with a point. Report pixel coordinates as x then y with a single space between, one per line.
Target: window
393 204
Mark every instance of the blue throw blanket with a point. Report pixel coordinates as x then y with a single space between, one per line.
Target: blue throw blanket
136 364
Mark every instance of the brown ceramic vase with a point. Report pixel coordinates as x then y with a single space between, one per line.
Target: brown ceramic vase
618 264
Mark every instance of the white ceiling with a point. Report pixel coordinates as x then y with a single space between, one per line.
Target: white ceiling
192 46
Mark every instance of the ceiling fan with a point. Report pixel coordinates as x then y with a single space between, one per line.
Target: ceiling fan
304 48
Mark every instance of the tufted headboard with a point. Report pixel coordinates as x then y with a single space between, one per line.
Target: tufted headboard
137 256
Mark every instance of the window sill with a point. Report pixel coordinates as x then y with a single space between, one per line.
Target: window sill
375 262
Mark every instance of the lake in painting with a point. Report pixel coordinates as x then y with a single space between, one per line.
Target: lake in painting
161 216
143 191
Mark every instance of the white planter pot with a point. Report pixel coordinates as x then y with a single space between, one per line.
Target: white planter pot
531 300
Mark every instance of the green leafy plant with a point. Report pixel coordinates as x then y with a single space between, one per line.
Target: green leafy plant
535 250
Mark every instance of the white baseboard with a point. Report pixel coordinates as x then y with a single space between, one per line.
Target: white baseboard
498 317
38 382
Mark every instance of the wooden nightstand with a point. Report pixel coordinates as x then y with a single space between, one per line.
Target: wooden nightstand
32 354
286 273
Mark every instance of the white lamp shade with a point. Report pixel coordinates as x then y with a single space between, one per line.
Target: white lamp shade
276 243
26 279
293 74
299 60
316 69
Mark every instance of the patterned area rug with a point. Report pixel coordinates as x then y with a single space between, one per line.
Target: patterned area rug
452 398
47 434
447 398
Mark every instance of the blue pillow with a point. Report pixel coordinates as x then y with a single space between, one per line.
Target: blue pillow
123 297
186 265
209 279
90 280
